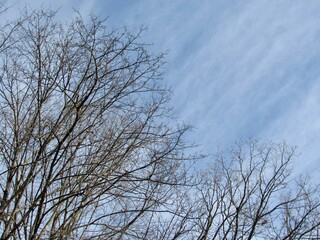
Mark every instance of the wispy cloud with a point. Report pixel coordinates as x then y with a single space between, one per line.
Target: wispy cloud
245 70
239 68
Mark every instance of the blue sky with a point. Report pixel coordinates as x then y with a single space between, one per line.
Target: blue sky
239 69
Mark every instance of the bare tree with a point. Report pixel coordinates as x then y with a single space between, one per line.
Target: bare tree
253 195
86 150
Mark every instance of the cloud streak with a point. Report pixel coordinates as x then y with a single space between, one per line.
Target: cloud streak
238 69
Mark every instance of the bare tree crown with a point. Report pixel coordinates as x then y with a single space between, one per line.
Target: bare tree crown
84 146
88 149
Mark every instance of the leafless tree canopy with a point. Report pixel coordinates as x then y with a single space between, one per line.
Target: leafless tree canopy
251 194
85 149
88 151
